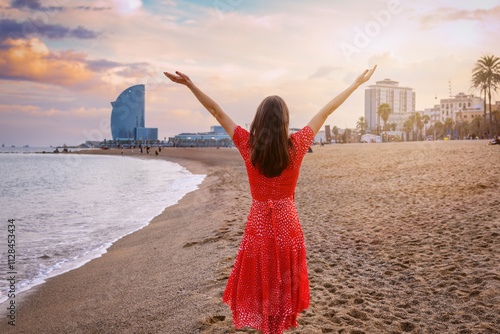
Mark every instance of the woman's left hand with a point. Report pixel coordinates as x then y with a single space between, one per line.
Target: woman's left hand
180 78
365 76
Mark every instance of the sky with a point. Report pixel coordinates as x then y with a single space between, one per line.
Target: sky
63 61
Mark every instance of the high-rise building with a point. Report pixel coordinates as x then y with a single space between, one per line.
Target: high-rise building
127 116
400 99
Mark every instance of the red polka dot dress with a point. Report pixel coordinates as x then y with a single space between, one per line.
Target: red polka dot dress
268 285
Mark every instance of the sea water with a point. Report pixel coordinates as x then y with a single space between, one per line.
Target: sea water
69 208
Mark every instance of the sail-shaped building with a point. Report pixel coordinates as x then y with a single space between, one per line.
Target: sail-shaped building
127 116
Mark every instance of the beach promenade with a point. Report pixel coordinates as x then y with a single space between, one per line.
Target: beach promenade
401 238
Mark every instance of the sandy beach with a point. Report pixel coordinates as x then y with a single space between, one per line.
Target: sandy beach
401 238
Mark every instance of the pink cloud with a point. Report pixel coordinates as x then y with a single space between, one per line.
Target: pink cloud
447 14
31 60
40 126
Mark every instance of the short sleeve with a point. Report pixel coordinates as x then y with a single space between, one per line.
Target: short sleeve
240 139
303 140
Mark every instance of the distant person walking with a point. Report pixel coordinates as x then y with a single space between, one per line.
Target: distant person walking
268 286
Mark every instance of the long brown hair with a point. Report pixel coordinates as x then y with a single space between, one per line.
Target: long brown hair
269 139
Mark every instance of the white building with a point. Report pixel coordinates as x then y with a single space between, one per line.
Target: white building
461 108
400 99
320 137
371 138
434 114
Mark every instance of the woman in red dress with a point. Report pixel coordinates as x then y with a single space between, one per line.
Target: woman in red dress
268 286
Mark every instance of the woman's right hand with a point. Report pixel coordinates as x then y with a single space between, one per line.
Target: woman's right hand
365 76
180 78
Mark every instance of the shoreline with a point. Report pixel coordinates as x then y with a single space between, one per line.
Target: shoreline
399 238
28 302
75 260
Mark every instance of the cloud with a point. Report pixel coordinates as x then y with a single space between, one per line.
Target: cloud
168 3
273 74
447 14
42 125
82 33
101 64
385 60
31 60
12 29
322 71
90 8
36 5
137 70
31 4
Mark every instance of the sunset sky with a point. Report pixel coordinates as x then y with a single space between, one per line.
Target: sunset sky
63 61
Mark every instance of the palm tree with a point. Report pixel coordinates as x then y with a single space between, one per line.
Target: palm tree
362 125
347 134
479 81
408 126
416 119
464 129
383 111
335 132
426 120
486 75
476 123
448 125
393 126
496 116
438 128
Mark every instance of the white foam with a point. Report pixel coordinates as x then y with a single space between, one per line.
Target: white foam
82 212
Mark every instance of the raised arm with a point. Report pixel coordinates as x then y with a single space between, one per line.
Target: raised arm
227 123
319 119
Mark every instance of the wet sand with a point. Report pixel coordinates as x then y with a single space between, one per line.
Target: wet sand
401 238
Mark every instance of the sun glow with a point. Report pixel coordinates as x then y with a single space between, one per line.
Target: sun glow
127 7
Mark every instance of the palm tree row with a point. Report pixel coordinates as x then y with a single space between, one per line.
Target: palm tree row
439 129
416 121
464 129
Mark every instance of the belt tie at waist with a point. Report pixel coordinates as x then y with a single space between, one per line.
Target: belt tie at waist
271 209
